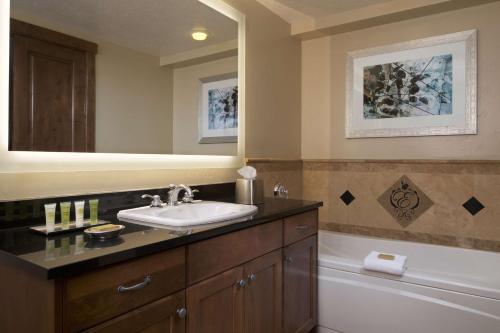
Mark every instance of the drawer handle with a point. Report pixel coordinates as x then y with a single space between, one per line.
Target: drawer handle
252 277
147 280
241 283
181 313
289 259
302 227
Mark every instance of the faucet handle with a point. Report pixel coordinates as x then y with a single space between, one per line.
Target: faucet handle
172 186
155 200
189 196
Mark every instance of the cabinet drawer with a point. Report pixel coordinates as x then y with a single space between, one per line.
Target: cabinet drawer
160 316
300 226
212 256
100 295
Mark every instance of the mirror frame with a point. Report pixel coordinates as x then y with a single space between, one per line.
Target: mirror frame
23 161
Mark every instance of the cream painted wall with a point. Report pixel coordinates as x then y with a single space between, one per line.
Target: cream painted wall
186 107
133 102
323 91
272 128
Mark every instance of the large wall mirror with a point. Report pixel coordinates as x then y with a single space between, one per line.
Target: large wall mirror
123 76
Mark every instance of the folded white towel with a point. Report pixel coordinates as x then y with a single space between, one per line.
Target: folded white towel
385 262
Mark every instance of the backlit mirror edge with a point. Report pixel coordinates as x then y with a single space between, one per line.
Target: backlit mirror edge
18 161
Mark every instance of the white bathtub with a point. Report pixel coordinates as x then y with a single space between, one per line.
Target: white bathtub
444 290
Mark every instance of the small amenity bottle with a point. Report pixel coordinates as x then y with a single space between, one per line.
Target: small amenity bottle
79 209
50 216
65 214
94 207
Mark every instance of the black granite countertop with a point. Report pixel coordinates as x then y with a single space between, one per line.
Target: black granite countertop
74 253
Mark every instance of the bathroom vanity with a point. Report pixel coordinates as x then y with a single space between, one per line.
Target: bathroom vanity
254 275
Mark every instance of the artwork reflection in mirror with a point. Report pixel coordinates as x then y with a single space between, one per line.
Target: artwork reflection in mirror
123 76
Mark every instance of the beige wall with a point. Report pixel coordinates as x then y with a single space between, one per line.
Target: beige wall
272 118
186 101
323 91
272 84
368 167
133 102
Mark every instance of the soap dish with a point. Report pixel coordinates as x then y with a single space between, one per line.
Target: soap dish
105 232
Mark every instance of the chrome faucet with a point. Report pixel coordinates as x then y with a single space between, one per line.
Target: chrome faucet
155 200
173 194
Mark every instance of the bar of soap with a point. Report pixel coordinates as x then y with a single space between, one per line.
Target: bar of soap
105 228
386 256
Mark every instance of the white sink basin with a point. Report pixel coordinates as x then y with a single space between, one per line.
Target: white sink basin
197 213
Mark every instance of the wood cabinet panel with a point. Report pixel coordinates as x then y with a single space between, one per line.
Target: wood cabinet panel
157 317
300 226
52 104
263 294
28 303
216 305
94 297
300 286
212 256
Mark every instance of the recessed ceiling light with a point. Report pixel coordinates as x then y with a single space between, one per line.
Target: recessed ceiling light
199 35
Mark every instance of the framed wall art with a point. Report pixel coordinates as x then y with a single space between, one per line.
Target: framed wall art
218 116
416 88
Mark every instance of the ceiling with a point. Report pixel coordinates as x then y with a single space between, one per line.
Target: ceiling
320 8
156 27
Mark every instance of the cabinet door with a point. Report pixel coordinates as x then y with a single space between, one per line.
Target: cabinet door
163 316
300 286
216 304
263 294
52 91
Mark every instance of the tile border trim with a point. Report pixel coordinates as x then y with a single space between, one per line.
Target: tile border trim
418 237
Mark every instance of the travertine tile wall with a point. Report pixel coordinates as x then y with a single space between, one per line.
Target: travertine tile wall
287 172
449 184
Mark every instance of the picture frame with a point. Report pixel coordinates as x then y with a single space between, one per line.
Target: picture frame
218 115
416 88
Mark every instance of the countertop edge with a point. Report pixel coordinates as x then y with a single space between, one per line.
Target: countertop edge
144 250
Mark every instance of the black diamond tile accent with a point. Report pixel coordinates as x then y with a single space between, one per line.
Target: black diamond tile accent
347 198
473 206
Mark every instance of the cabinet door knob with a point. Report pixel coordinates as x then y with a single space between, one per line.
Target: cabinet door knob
181 313
123 289
252 277
289 259
241 283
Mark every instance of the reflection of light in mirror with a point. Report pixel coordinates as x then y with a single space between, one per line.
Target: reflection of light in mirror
199 35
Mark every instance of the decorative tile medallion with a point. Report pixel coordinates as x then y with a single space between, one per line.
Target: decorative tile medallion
405 201
473 206
347 198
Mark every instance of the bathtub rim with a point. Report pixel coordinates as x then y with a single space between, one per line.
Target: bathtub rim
411 276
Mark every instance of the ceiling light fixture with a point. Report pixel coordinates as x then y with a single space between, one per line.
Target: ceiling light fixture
199 35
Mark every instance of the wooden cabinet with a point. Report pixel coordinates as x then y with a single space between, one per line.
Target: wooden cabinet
166 315
215 255
300 226
257 280
300 286
263 294
215 305
246 299
97 296
52 79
